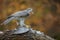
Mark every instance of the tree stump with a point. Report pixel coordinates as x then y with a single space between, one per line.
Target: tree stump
25 36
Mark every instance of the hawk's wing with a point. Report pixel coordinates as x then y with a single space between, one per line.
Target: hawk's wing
22 13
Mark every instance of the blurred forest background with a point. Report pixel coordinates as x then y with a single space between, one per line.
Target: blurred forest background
46 17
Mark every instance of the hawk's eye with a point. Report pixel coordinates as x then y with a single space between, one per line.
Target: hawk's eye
27 15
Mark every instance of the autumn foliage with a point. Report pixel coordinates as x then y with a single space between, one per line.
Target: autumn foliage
46 15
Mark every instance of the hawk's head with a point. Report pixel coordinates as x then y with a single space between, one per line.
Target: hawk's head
29 11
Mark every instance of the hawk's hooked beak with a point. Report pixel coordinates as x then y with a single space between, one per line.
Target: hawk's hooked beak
31 13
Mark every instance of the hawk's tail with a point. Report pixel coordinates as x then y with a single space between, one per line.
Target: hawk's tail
7 21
